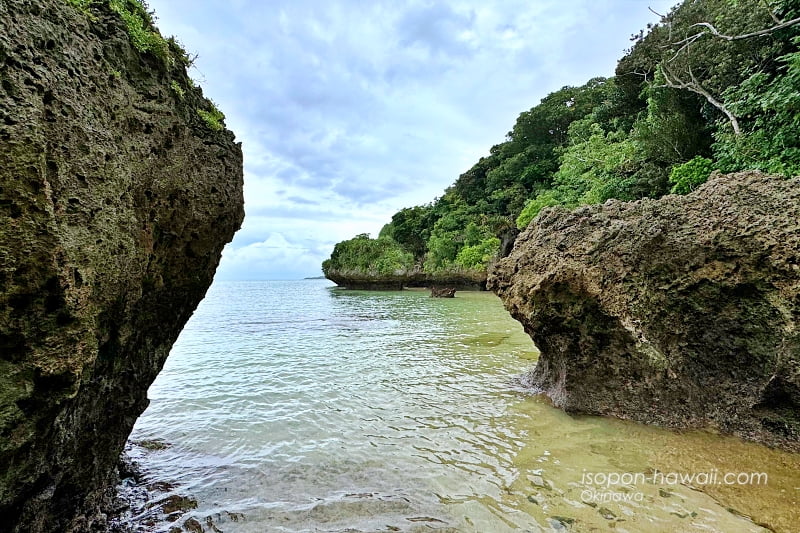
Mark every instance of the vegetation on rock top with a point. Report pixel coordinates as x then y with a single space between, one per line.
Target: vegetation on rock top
376 257
139 23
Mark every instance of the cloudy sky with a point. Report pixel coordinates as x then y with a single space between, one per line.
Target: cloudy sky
349 110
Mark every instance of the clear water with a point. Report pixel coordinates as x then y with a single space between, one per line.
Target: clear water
297 406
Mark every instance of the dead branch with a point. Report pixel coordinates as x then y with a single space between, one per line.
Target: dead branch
711 30
686 44
758 33
674 82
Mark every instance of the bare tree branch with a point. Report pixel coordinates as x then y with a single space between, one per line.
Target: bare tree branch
644 75
709 29
686 43
715 32
674 82
706 28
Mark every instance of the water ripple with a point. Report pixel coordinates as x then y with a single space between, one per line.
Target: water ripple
293 406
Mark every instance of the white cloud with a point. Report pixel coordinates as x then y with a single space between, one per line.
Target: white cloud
273 258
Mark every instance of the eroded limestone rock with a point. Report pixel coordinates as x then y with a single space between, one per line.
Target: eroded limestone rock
681 312
116 199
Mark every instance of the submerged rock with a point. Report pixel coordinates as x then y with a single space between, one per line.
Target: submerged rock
681 312
118 189
443 292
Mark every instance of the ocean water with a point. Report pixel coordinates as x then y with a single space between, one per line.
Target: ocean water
295 406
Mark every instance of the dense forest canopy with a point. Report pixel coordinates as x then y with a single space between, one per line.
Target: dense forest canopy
714 86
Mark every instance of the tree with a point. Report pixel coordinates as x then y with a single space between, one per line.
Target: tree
679 67
690 175
770 140
411 227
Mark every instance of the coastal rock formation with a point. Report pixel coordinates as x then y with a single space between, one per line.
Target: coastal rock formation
681 312
118 190
357 280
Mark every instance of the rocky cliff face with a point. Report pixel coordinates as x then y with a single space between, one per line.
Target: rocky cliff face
116 198
680 312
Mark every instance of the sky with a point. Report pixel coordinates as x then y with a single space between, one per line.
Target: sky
349 110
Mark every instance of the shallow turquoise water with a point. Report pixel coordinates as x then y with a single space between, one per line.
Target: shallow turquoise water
297 406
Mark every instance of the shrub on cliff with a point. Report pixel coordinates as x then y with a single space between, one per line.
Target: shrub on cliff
534 205
143 34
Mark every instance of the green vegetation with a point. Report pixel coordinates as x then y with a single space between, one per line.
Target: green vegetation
376 257
139 22
140 26
144 36
769 99
534 205
714 86
82 6
477 256
178 90
690 175
212 117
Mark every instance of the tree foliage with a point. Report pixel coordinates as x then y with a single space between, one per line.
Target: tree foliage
770 106
411 227
477 256
365 256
